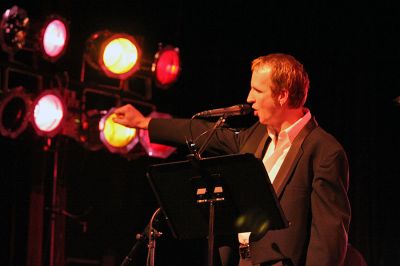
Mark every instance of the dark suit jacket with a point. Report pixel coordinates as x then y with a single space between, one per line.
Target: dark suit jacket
311 186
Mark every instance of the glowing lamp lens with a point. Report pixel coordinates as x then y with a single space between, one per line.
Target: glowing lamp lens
117 55
116 137
48 113
54 38
120 56
167 67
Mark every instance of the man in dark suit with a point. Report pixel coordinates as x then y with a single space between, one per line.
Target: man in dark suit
307 166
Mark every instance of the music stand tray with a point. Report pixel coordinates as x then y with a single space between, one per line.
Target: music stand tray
245 200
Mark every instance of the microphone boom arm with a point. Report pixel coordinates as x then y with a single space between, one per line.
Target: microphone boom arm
217 124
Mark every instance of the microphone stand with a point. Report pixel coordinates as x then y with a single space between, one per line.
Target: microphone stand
150 234
217 124
129 258
212 199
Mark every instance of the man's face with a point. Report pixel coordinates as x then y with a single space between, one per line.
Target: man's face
265 105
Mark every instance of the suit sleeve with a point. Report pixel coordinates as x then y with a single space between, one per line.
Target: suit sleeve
330 210
176 132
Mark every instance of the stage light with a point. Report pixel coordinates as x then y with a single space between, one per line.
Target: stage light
48 112
117 55
166 66
49 37
14 28
14 112
154 149
117 138
54 38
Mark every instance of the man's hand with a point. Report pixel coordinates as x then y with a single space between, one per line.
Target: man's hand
129 116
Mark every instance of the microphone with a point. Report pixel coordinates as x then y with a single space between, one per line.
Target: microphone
239 109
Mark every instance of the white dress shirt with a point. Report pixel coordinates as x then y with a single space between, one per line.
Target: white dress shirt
276 153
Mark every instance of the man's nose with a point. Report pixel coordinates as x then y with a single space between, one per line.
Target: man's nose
250 99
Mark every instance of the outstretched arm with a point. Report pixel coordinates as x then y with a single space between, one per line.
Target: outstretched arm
129 116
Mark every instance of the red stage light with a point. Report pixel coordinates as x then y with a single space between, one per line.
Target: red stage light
48 112
167 66
154 149
54 38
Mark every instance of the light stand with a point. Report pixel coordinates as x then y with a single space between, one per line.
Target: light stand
53 207
57 208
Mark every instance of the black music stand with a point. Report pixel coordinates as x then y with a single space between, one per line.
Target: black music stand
236 187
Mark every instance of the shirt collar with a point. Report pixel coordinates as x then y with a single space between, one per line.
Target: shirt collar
291 132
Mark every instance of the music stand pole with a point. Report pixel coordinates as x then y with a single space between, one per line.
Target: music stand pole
211 200
211 221
211 234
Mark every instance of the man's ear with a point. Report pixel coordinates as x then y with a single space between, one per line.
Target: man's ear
283 97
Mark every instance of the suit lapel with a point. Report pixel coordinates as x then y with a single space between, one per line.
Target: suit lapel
262 146
292 158
255 140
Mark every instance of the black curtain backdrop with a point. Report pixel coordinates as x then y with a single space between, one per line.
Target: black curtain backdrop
350 52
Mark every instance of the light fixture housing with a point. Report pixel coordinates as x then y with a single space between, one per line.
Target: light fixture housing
48 113
117 55
14 112
53 38
166 67
49 37
154 149
14 28
116 137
